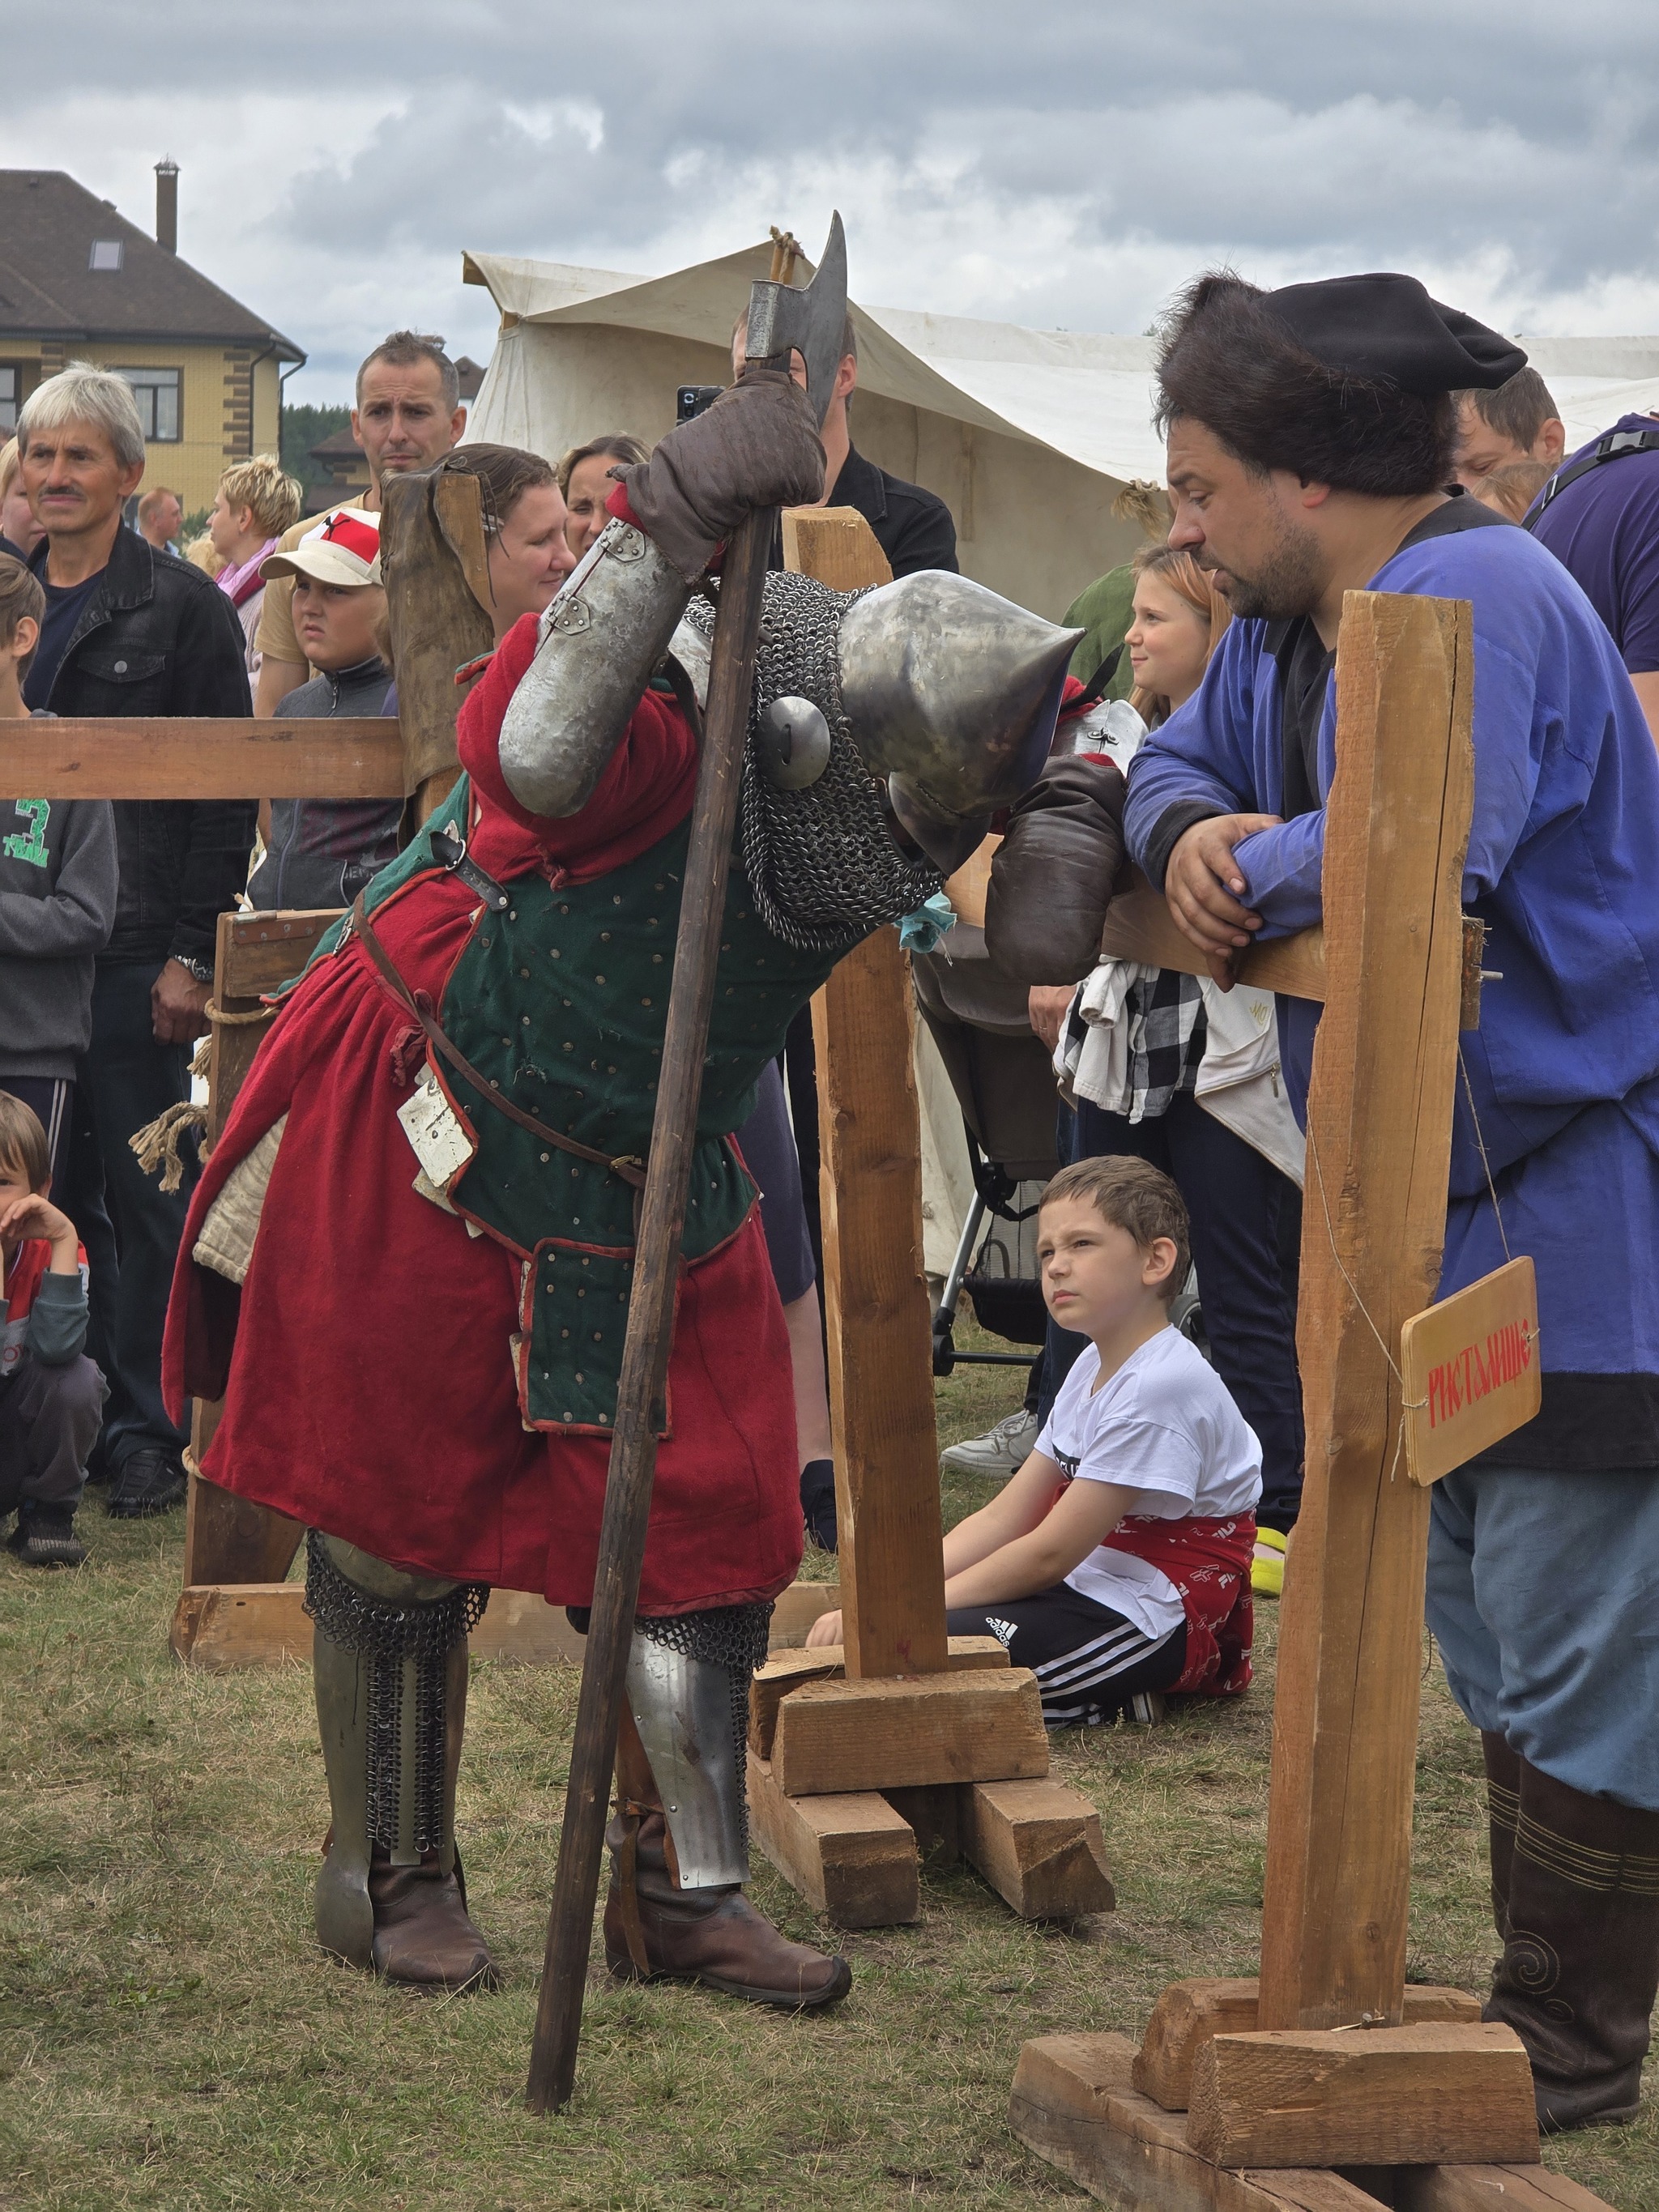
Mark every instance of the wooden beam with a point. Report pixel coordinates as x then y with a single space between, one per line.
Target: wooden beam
1489 2188
1189 2013
877 1324
1139 927
74 757
893 1734
220 1627
1449 2093
1074 2105
1379 1139
1038 1845
786 1670
849 1854
260 953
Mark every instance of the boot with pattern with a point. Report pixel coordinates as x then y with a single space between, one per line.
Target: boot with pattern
1581 1949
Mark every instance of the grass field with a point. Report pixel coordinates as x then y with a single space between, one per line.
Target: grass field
170 2037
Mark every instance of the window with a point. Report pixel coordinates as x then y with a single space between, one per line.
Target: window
106 253
11 395
156 390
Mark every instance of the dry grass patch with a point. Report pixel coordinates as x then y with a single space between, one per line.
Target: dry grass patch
170 2037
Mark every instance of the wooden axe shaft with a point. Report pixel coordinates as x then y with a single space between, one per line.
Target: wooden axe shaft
650 1317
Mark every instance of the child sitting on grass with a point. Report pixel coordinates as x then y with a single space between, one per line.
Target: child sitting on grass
51 1396
1116 1562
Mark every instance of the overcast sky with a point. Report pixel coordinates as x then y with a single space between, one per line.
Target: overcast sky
1059 163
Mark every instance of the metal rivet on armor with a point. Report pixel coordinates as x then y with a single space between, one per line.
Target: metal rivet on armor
611 1071
568 1415
656 960
524 1019
513 914
545 1157
564 1002
525 972
599 979
566 1047
580 1377
583 1262
564 1332
616 898
564 910
726 948
644 1002
656 887
484 941
605 937
605 1420
598 1337
555 954
508 1042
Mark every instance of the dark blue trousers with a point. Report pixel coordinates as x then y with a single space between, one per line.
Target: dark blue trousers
1241 1209
129 1226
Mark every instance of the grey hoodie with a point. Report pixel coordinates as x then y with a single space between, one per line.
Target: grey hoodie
57 887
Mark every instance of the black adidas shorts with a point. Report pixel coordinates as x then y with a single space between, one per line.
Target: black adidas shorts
1088 1659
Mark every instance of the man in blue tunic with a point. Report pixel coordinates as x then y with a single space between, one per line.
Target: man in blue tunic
1310 431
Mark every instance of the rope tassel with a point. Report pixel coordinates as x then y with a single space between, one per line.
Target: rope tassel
157 1143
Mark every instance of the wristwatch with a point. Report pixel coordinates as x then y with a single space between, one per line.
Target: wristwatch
201 970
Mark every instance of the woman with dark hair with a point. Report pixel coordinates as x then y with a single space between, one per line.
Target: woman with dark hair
586 480
524 521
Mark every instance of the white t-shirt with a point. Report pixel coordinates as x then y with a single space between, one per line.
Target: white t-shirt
1164 1425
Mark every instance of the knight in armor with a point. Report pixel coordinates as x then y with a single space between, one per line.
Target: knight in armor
406 1269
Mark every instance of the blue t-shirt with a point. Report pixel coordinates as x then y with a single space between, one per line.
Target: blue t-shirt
63 605
1604 531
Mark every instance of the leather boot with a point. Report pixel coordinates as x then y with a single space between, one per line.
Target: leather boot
655 1930
423 1936
1503 1810
1581 1952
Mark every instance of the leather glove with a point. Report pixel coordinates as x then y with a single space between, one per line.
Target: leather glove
1053 874
755 446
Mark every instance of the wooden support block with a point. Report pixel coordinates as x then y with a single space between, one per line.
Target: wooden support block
217 1628
220 1627
904 1733
1448 2092
259 952
850 1855
1490 2189
796 1609
524 1629
1189 2013
230 1539
1038 1845
1074 2105
785 1671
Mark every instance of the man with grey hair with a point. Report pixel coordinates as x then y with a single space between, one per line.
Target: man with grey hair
409 414
129 633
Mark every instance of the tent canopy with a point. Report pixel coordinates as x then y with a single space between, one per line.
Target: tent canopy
1027 435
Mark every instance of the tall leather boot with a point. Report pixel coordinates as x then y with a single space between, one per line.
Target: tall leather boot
1503 1811
676 1908
389 1665
1580 1967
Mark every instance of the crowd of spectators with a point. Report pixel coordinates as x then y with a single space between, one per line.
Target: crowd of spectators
115 963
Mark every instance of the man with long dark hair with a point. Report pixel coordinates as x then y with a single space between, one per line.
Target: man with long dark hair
1310 433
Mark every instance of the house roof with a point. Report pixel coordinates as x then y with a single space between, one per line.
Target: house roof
49 289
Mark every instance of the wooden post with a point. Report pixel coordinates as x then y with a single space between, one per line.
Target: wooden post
1379 1143
875 1285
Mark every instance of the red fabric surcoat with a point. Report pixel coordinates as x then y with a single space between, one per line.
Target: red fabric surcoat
370 1390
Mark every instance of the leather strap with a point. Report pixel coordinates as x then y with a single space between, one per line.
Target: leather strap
624 1860
629 1167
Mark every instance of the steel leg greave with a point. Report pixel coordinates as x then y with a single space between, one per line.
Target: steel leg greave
390 1666
688 1692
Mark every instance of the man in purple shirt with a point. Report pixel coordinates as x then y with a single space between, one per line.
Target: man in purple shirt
1599 515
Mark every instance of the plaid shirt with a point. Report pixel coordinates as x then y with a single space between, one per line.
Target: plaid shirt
1166 1036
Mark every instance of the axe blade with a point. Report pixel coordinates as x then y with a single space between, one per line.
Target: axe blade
783 319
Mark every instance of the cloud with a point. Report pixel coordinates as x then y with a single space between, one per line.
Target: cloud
1062 164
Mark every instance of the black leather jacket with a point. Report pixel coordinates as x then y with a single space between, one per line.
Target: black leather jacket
158 637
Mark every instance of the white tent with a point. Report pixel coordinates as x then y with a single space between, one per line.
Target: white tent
1027 435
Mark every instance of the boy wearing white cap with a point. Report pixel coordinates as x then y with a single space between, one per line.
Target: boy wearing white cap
321 852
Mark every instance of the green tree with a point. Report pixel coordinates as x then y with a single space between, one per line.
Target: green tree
303 428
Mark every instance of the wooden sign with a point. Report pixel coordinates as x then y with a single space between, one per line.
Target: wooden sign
1471 1371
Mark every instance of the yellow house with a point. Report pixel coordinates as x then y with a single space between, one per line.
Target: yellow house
78 281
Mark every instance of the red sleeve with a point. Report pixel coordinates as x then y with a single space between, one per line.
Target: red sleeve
646 789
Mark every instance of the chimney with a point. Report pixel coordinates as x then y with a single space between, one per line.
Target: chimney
166 206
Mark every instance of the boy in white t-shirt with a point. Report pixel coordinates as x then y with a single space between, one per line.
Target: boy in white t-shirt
1117 1561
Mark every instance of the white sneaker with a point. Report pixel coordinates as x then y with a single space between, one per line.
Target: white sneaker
1000 1452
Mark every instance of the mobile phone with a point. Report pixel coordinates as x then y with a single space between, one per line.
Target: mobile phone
691 399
